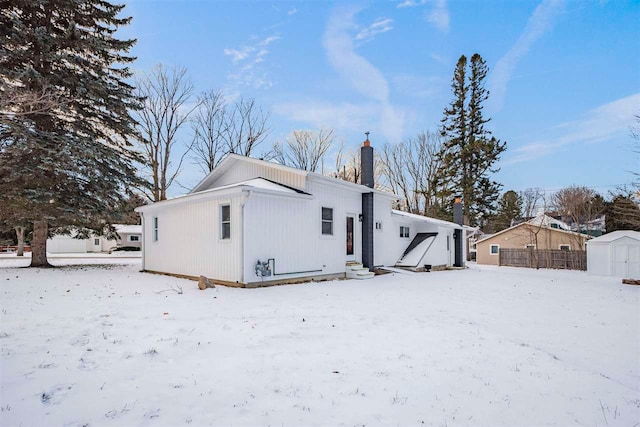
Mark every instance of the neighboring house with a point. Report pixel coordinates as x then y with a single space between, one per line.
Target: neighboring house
540 232
130 235
615 254
252 223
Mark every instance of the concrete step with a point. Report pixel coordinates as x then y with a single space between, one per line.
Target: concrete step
361 275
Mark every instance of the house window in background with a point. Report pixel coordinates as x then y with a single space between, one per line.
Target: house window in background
565 247
404 232
494 249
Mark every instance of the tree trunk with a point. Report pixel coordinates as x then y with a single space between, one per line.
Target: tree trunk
20 236
39 244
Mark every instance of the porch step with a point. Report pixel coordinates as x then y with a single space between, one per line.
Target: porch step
355 270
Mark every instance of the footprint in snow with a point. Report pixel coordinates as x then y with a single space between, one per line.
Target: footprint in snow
56 394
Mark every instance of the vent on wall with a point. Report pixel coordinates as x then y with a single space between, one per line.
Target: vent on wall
378 226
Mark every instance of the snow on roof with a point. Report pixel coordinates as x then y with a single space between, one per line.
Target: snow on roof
231 159
260 184
426 219
615 235
128 229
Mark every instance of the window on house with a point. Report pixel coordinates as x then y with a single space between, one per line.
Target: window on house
448 244
565 247
327 221
404 232
378 226
134 238
530 246
225 222
155 228
96 242
494 249
554 225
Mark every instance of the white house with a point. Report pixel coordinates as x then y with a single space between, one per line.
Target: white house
130 235
252 223
615 254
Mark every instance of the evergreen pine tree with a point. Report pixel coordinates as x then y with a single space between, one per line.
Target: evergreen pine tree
471 151
68 165
509 208
622 214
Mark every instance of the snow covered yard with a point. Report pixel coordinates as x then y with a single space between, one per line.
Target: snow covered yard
107 345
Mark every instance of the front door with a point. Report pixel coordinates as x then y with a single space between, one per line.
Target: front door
351 250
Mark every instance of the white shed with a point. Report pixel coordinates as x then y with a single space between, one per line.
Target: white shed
615 254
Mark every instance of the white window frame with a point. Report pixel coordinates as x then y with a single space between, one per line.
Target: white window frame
96 241
405 232
131 236
328 221
530 246
491 247
564 244
155 229
222 222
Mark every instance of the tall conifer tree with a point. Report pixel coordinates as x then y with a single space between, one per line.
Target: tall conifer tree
470 151
68 164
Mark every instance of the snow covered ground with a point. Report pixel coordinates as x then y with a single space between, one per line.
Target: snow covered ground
107 345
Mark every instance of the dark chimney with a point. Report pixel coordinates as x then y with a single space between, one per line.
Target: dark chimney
366 172
458 218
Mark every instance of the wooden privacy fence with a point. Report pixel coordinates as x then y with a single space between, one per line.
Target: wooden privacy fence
544 258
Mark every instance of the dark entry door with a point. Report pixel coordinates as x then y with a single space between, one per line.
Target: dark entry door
350 228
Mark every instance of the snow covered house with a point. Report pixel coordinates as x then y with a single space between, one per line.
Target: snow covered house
615 254
252 223
130 235
540 232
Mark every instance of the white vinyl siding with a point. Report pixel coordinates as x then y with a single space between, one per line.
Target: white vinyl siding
190 243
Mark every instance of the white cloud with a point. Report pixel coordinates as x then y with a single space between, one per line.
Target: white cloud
599 124
292 11
540 22
411 3
361 75
438 16
379 26
380 119
248 58
418 86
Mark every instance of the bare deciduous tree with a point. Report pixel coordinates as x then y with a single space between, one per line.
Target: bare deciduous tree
304 149
16 101
245 126
578 206
532 200
165 111
208 125
411 170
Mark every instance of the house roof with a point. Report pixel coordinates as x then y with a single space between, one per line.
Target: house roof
128 229
559 230
232 159
426 219
615 235
259 185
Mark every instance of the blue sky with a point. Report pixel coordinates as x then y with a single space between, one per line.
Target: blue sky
564 75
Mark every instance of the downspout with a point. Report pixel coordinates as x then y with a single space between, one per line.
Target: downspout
245 196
